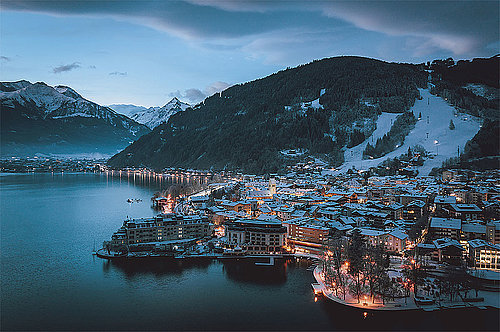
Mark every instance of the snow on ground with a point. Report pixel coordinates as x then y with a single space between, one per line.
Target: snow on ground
305 105
384 124
432 132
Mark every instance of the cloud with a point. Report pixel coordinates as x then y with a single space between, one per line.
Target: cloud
5 58
65 68
118 73
460 27
457 26
215 87
194 95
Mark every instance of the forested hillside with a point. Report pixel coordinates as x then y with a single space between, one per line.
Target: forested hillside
246 126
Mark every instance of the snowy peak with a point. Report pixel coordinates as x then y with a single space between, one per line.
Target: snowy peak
176 103
154 116
13 86
68 92
41 101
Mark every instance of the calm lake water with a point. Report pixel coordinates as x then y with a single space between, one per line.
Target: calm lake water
50 280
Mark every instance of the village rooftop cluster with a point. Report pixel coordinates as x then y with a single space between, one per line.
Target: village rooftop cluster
383 242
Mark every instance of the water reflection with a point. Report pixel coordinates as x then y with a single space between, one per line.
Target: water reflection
248 272
155 266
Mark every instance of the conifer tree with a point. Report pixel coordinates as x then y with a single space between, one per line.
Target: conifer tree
452 125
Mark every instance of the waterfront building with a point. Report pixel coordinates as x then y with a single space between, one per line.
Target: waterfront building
256 236
161 228
306 235
484 255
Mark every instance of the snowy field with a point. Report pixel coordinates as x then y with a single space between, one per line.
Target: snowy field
431 131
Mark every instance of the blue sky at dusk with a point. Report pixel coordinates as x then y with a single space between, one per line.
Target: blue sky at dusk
145 52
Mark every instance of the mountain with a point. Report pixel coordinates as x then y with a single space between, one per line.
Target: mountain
314 107
38 118
127 109
152 116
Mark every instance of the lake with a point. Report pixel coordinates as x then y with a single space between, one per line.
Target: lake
51 281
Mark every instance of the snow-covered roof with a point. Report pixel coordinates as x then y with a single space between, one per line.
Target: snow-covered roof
446 223
479 243
447 242
445 200
399 234
371 232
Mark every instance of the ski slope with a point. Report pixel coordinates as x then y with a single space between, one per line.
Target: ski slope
384 124
431 131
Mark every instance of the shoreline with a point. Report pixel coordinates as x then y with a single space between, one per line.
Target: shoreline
395 307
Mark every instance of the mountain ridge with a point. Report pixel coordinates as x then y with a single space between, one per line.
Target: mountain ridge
152 116
247 125
36 116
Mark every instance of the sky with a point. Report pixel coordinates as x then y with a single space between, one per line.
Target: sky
145 52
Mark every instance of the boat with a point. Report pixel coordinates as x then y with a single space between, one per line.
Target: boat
103 253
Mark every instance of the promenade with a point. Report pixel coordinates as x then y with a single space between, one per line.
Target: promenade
491 300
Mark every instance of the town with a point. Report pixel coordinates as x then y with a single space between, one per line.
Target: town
393 242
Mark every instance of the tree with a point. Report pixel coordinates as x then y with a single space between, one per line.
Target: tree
375 269
415 275
452 125
420 115
334 258
356 259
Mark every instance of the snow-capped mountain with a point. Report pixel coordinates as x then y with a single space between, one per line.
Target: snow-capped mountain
41 101
127 109
38 114
152 116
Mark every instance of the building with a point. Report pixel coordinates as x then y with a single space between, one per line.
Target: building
396 241
448 250
239 206
493 232
484 255
445 227
441 201
256 237
164 227
463 211
373 237
406 199
272 186
414 210
199 202
305 235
